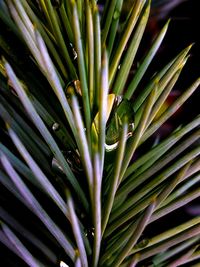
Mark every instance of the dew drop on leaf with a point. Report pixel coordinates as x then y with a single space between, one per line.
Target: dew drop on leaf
73 52
73 87
73 160
56 166
90 233
143 243
63 264
55 126
116 14
121 109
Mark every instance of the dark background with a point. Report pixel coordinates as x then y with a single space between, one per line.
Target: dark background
184 29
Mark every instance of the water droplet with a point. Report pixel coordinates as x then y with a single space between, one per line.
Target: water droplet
90 233
77 85
122 108
55 126
143 243
73 159
73 87
119 67
82 215
118 100
116 14
63 264
56 166
73 52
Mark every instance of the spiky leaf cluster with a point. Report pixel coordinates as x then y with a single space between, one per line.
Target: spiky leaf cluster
79 186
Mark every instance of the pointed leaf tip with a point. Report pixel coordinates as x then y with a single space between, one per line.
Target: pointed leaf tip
3 60
169 20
